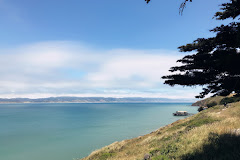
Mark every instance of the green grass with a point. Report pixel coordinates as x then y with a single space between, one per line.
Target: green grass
198 121
160 157
219 147
105 156
206 135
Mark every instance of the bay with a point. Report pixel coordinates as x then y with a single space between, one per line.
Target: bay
64 131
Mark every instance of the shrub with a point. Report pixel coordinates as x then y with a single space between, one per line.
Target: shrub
209 105
200 109
229 100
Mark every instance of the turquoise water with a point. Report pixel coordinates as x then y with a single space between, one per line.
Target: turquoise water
67 131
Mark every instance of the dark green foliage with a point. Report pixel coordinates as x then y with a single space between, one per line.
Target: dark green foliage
209 105
220 147
217 61
200 109
230 10
230 100
147 1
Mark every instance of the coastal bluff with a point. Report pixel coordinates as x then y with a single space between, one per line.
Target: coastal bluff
206 101
211 134
216 99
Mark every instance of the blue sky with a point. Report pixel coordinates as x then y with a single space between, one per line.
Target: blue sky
97 47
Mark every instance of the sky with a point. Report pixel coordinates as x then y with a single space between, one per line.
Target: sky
97 48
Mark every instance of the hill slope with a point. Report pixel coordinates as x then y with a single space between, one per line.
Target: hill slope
209 100
210 134
206 101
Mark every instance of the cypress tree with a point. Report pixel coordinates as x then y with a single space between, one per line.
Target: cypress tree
216 63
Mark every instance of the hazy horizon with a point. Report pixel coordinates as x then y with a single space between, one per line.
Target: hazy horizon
68 99
97 48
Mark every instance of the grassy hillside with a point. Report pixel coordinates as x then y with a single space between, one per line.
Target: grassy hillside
211 134
206 101
217 100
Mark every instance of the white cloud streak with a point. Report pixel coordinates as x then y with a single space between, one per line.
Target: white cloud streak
73 69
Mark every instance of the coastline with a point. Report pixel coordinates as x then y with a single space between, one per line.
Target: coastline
179 140
120 144
75 130
94 100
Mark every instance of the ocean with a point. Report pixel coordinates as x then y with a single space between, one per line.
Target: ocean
67 131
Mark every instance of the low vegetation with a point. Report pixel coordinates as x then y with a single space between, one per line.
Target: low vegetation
205 102
230 100
209 105
211 134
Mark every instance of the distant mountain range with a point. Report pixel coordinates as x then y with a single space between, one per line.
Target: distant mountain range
92 100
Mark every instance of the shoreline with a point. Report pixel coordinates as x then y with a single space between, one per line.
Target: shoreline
181 139
138 137
84 127
94 100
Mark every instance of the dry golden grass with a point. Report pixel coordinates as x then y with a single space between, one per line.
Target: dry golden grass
206 101
182 139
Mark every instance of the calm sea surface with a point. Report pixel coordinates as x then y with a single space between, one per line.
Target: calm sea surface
68 131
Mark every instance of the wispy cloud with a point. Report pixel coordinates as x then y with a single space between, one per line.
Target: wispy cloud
74 69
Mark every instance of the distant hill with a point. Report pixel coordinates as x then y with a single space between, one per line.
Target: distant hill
92 100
